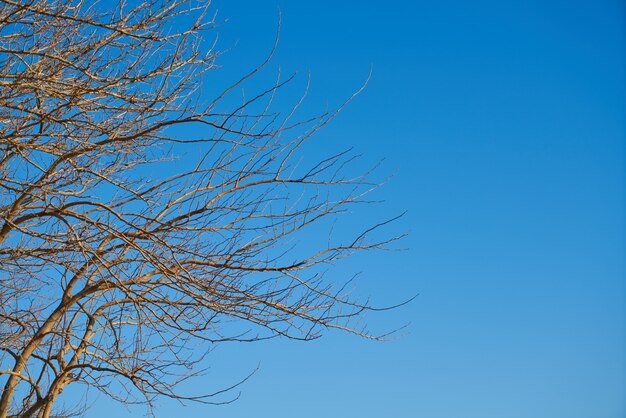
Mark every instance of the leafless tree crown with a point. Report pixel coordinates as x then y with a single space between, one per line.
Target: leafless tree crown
120 267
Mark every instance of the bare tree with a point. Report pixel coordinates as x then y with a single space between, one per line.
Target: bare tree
120 265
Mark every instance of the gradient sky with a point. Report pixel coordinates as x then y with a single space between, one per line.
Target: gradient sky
505 124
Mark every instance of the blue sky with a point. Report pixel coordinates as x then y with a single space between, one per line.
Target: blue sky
504 123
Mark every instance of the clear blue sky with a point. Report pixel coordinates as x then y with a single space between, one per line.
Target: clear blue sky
505 122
